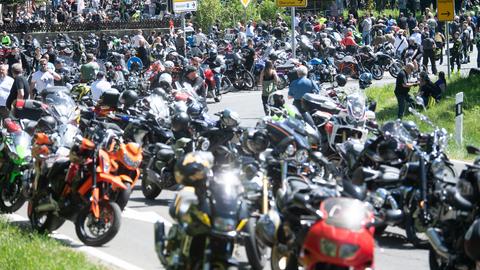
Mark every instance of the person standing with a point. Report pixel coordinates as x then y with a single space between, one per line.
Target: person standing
100 86
144 54
402 87
43 78
300 87
366 29
455 52
6 83
88 71
20 88
268 81
428 45
440 43
249 52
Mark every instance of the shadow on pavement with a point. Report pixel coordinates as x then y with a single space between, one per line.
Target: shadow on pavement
157 202
393 240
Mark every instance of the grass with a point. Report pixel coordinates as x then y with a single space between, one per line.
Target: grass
442 114
21 249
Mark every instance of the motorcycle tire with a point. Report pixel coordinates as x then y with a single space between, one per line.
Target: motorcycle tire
249 81
124 196
237 80
256 251
150 190
11 195
45 223
82 221
377 72
291 262
282 82
394 69
435 262
225 86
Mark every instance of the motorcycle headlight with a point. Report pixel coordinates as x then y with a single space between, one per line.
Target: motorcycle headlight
224 224
438 167
328 248
347 251
204 144
301 156
290 150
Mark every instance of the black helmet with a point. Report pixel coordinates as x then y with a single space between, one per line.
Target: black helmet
365 80
255 141
412 128
276 99
46 124
229 119
129 98
194 109
194 168
273 56
472 241
212 54
159 91
341 80
180 121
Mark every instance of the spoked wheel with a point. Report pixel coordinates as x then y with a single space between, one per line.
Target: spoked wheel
394 69
11 196
93 232
248 80
377 72
225 86
282 82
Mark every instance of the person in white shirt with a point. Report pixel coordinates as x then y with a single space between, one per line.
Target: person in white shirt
6 83
99 86
43 78
401 42
136 39
200 38
417 36
250 29
241 37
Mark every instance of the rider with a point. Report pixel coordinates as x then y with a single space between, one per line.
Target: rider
191 76
349 42
213 62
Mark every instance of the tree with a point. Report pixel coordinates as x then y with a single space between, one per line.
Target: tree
207 12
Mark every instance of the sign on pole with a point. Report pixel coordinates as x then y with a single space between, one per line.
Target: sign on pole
446 10
459 117
184 5
245 3
292 3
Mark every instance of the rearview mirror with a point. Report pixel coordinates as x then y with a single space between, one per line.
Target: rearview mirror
472 150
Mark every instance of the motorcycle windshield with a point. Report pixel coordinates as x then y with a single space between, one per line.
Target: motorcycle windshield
158 107
21 144
397 130
356 106
67 134
346 213
62 107
299 132
225 190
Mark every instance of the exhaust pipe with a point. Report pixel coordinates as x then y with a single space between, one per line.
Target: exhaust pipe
436 241
46 207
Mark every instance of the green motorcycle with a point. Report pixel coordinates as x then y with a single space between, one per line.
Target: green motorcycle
15 166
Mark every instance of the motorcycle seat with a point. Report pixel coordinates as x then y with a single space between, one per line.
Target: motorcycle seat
389 174
166 154
347 59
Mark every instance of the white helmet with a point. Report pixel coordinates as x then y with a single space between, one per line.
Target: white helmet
169 64
165 77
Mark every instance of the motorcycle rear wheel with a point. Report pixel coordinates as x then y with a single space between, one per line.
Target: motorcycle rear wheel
43 223
248 80
87 228
11 196
394 69
150 190
377 72
435 262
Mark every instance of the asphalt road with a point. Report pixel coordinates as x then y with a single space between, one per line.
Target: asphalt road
133 247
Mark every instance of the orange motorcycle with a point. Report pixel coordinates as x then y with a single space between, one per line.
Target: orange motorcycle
83 184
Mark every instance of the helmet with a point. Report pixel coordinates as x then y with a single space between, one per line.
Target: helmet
276 99
365 80
341 80
169 64
194 168
180 121
412 128
254 141
195 109
472 241
273 56
80 90
212 54
267 227
229 119
166 78
46 124
128 98
108 65
160 92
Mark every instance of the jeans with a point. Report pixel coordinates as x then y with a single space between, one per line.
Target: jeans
264 102
218 78
402 103
366 37
455 59
298 103
429 54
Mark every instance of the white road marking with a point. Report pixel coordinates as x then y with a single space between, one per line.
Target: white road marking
149 216
91 251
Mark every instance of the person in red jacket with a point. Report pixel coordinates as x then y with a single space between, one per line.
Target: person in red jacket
349 42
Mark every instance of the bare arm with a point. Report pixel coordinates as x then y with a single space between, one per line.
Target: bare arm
56 76
260 81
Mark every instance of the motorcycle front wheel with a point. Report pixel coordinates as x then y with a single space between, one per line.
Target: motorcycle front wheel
94 232
256 251
11 195
124 196
149 189
377 72
394 69
248 80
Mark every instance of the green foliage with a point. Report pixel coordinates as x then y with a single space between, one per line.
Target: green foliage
208 11
268 10
387 12
20 249
442 114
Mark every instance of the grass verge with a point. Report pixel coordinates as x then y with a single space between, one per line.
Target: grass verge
21 249
442 114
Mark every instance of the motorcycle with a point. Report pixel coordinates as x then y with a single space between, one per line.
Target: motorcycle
236 72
